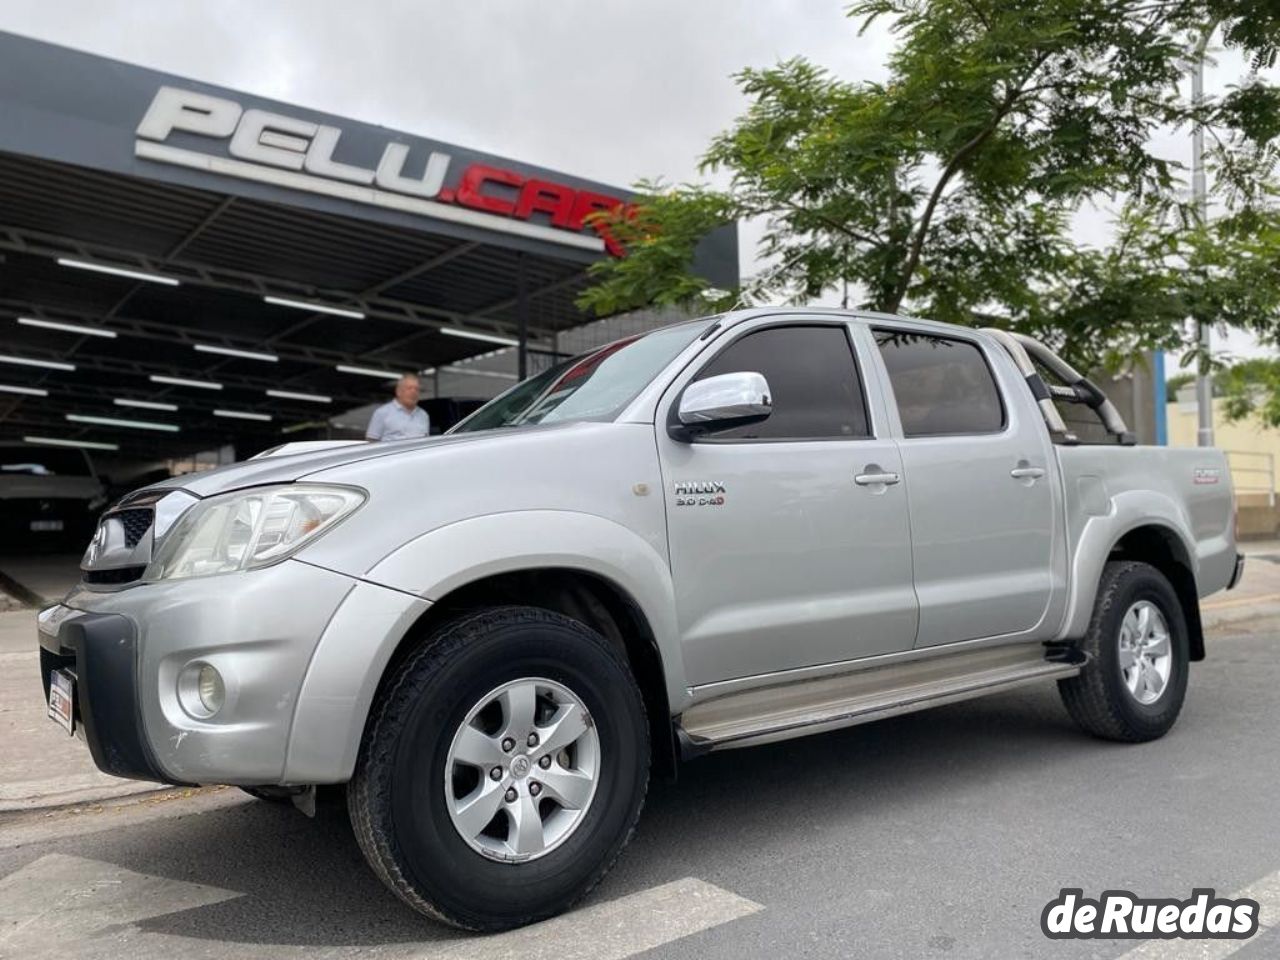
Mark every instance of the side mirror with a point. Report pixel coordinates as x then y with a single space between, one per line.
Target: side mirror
721 402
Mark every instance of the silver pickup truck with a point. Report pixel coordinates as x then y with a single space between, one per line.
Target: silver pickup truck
726 532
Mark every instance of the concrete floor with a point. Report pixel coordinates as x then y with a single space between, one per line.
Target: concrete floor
40 765
47 576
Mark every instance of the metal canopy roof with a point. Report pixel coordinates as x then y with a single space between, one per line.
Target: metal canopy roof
228 253
75 186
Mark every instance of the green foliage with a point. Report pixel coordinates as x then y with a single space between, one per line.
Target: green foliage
1175 383
1254 26
660 236
949 191
1107 305
1251 387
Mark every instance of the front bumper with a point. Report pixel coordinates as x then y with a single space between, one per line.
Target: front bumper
128 647
100 649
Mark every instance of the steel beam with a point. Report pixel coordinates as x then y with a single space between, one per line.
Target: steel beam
189 336
51 246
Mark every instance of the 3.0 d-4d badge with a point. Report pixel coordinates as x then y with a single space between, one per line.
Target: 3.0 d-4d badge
699 493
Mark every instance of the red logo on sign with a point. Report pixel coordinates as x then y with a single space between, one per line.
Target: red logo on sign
482 186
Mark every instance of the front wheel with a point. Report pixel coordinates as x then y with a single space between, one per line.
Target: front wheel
503 770
1134 684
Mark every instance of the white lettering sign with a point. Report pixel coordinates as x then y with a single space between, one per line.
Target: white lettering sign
284 151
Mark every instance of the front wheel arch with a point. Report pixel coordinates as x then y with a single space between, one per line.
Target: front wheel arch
594 601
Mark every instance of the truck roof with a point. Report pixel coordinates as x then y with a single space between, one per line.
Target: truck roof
866 316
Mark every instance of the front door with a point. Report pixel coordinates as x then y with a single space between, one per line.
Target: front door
977 464
789 538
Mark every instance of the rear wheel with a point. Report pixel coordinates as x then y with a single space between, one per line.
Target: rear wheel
1134 685
503 771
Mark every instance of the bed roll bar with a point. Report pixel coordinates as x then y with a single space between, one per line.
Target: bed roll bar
1080 389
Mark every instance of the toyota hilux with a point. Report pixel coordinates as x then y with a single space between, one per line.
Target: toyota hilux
725 532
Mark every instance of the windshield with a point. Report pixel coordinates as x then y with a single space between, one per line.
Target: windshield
593 386
42 462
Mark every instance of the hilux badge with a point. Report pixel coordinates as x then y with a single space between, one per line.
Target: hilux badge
699 493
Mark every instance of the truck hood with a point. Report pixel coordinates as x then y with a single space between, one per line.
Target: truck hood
291 467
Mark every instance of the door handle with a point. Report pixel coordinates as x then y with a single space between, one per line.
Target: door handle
871 479
1027 473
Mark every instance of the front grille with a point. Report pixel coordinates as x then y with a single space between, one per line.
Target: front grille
114 575
135 522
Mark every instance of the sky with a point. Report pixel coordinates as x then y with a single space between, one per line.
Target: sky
610 91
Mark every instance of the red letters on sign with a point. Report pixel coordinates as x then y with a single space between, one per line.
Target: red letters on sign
547 197
568 208
471 193
588 203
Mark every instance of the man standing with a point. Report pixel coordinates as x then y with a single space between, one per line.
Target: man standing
401 418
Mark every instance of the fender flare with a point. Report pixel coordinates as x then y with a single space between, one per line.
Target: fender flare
432 566
1129 511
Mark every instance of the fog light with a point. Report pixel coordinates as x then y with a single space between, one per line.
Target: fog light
209 687
201 690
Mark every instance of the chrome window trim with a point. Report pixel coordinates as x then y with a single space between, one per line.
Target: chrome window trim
733 335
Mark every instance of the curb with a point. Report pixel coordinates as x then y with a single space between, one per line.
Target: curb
23 596
70 792
1262 608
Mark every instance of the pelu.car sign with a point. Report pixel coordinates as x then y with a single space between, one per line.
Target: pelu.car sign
298 154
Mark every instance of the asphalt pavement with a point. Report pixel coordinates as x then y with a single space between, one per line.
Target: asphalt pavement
939 834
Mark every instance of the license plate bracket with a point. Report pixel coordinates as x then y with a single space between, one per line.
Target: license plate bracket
62 698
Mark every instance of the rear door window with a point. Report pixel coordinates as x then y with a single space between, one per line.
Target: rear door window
942 385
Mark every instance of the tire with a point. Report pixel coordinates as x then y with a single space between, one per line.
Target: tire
402 804
1100 699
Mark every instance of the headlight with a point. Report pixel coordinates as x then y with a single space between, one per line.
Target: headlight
250 528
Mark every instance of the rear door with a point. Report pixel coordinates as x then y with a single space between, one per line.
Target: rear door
789 538
978 470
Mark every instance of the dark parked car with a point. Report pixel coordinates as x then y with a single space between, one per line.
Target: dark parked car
49 497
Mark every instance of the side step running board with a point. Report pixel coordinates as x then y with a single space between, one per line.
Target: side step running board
799 708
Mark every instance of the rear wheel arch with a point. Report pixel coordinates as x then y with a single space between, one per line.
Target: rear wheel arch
1162 547
587 597
1133 685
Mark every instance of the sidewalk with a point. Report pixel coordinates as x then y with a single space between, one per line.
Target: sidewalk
1257 595
40 766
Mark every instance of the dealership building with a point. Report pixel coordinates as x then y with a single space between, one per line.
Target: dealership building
187 268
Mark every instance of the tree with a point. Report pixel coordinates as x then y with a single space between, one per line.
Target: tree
1175 383
950 190
1251 387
